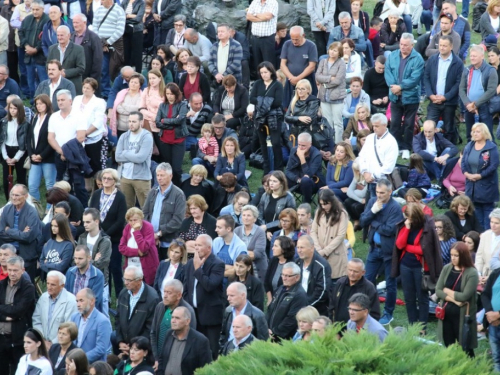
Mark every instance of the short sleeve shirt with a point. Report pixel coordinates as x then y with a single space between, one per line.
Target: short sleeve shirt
298 58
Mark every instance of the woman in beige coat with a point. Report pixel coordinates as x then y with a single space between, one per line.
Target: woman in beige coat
328 232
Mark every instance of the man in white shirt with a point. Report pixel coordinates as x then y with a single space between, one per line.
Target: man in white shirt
64 125
378 156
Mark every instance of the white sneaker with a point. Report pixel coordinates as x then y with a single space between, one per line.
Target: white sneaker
406 154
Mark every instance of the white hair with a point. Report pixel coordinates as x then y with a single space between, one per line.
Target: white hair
306 137
206 238
408 36
293 266
64 92
380 117
344 15
138 274
64 28
59 275
477 48
166 167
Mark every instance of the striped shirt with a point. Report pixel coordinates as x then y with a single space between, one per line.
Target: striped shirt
113 26
265 28
210 148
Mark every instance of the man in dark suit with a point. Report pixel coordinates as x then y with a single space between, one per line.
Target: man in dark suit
287 301
239 305
92 47
315 274
204 275
184 347
242 327
73 57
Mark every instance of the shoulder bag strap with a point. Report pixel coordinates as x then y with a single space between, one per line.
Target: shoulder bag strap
375 147
106 16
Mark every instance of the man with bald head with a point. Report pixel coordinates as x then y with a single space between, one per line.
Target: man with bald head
299 57
72 57
199 45
242 329
434 148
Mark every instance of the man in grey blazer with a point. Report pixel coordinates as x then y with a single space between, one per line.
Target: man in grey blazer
71 56
55 83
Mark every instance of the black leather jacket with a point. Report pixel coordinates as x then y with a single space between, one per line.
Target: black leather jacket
308 107
22 131
176 122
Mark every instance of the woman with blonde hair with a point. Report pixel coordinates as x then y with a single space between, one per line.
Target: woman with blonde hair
489 24
305 318
303 109
462 216
339 172
197 184
360 120
356 196
231 160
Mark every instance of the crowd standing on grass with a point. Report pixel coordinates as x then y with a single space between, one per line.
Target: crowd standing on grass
104 99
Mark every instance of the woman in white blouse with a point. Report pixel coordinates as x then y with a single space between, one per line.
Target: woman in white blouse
13 129
35 361
39 151
94 109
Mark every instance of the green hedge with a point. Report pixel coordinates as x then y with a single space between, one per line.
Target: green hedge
401 353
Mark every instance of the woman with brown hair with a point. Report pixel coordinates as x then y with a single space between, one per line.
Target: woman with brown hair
243 268
36 358
329 230
180 67
289 224
417 247
446 234
171 120
462 216
57 253
360 140
198 221
231 100
77 362
194 80
339 172
171 268
66 334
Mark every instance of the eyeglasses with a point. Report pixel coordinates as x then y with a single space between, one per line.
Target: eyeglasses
178 24
288 276
178 242
126 281
355 310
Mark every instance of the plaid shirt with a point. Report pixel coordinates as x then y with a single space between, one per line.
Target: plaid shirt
265 28
233 60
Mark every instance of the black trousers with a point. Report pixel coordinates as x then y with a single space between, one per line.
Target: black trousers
403 130
132 45
447 112
354 208
245 72
115 269
277 151
233 123
212 333
12 61
263 50
18 167
174 155
321 39
93 151
76 180
9 355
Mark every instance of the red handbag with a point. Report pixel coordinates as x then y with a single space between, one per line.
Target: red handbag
440 310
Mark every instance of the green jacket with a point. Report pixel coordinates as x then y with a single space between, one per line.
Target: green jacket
467 293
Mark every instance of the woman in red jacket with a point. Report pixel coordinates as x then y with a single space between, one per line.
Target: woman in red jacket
417 246
138 244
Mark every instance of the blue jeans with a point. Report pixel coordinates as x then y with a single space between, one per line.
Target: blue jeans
495 345
426 19
483 211
465 8
435 13
209 166
435 170
105 79
408 23
411 281
369 53
23 74
190 141
484 116
36 73
37 171
374 260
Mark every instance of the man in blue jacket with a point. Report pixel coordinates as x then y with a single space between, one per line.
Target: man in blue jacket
304 167
7 87
381 216
403 72
442 79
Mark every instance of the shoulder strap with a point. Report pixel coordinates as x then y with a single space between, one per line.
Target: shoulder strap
458 278
106 16
375 147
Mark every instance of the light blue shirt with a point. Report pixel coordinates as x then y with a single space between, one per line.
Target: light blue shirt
443 66
52 305
82 326
476 89
231 335
155 219
134 299
236 345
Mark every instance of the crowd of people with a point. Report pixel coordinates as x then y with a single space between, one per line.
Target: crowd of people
200 264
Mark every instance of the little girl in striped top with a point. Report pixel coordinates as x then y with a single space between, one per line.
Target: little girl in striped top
207 143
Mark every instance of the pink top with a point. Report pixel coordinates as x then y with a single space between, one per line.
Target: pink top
210 148
456 178
151 100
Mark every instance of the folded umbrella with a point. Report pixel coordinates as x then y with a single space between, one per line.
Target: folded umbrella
10 180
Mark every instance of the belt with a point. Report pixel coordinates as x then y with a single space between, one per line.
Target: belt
378 246
266 36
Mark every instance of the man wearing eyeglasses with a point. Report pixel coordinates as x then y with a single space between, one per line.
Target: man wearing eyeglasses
359 313
288 300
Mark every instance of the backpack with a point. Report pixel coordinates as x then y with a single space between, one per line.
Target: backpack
377 11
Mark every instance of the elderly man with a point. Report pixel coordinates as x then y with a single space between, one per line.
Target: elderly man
65 125
442 75
92 48
31 28
381 217
94 328
242 327
54 306
17 303
21 227
315 274
172 297
227 247
55 83
305 167
164 208
49 35
477 86
239 305
359 314
403 72
133 152
434 148
85 275
203 278
135 307
287 301
299 57
225 56
8 87
175 37
347 286
346 29
71 56
263 14
109 25
320 325
199 113
185 349
199 45
378 157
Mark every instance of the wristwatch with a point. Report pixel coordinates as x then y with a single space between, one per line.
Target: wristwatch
158 233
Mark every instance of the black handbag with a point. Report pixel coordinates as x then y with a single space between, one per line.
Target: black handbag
427 283
322 135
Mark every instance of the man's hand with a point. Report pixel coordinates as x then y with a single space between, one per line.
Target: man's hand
191 113
197 261
396 89
368 177
294 80
219 77
63 73
442 159
305 119
377 206
27 229
471 107
157 17
301 154
493 316
155 366
98 256
377 101
30 50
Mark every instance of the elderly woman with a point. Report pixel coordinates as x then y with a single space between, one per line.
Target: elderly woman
480 163
274 201
453 179
390 33
94 109
198 184
305 318
488 253
175 37
138 244
463 217
456 289
171 268
244 270
112 208
195 81
67 333
231 100
254 239
231 160
339 173
241 199
198 222
402 7
283 251
303 109
360 120
446 234
127 101
289 227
